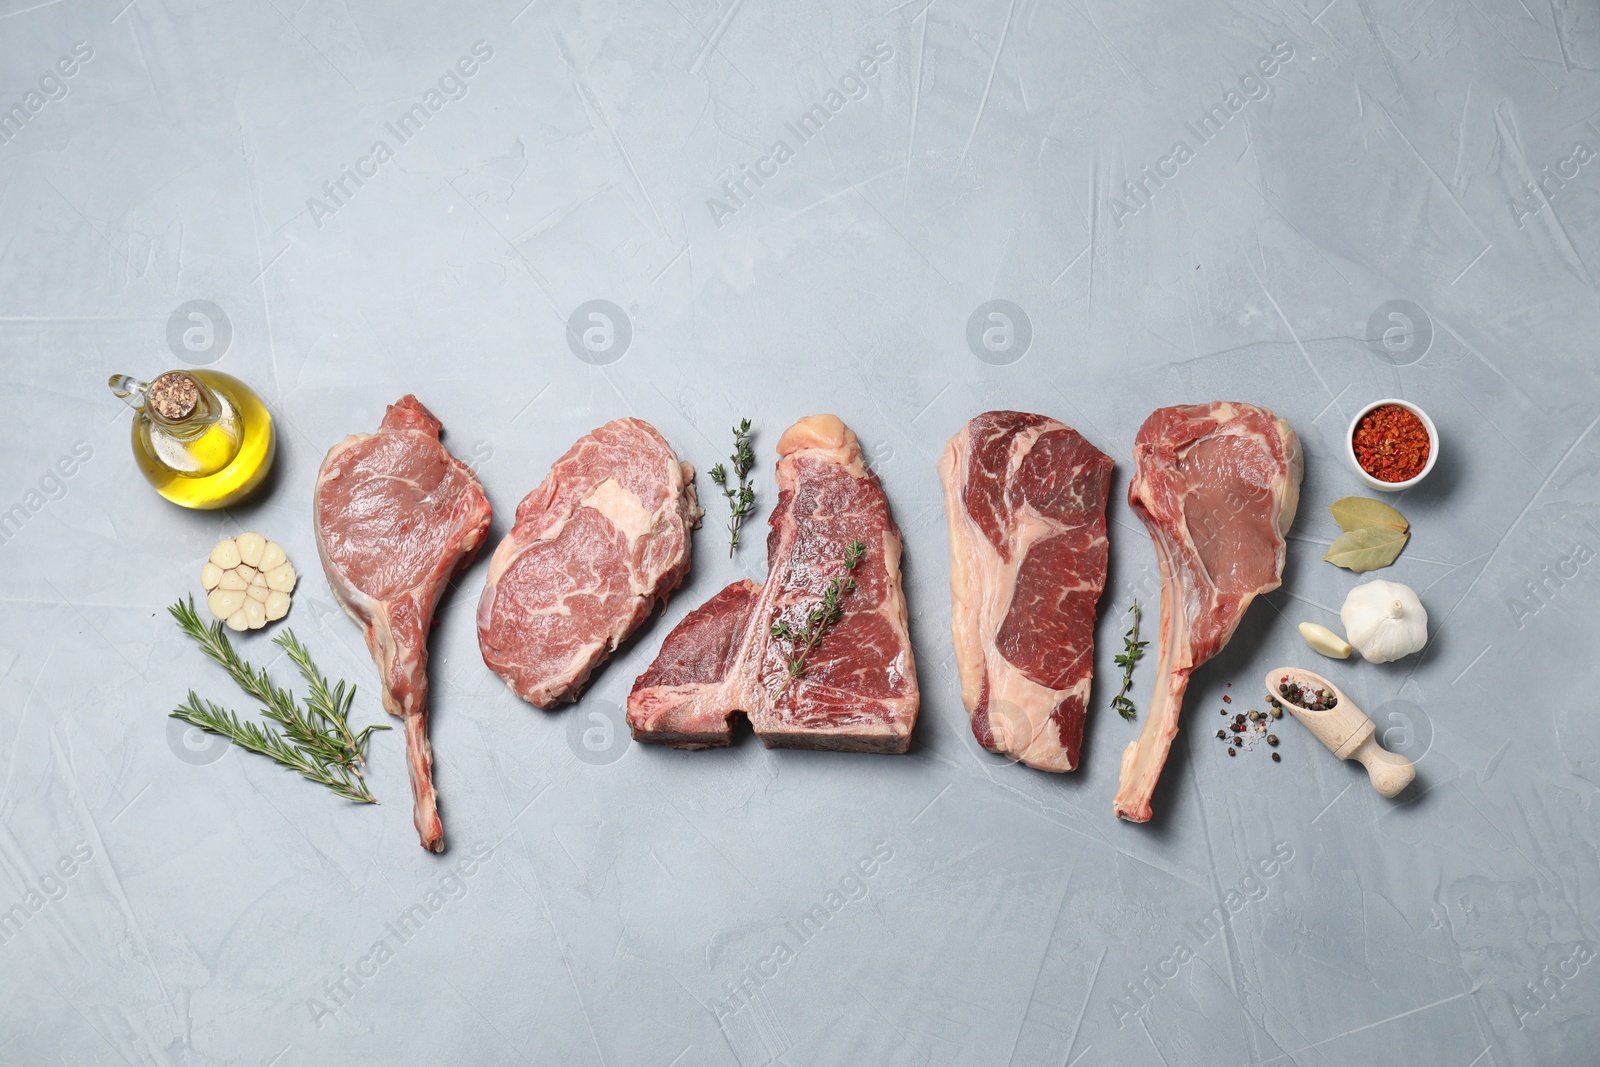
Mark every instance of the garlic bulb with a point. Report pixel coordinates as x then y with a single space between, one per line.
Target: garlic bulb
1384 621
248 580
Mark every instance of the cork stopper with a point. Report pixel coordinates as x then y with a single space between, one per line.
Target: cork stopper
174 396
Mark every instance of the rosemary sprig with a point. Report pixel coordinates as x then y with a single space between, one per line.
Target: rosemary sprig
1132 650
316 740
741 495
819 620
270 743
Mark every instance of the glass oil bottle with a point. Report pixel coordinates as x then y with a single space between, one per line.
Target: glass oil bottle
203 438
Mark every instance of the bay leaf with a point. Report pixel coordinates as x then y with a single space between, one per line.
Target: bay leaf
1360 512
1367 549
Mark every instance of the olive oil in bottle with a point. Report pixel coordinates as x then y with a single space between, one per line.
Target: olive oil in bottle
204 439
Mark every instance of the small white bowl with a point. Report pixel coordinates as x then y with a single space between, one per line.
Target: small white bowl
1378 483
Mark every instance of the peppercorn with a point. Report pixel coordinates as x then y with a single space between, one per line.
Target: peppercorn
1226 699
1231 752
1222 735
1272 739
1238 718
1276 713
1255 716
1276 758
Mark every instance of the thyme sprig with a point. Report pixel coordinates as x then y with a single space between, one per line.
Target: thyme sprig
742 494
315 740
1132 651
819 620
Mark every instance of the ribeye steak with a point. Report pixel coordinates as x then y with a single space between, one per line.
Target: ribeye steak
600 542
1217 485
859 689
1025 497
396 516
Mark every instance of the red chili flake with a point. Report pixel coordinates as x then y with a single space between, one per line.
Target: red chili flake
1226 699
1391 443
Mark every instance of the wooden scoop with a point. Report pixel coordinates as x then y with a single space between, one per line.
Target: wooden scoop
1345 730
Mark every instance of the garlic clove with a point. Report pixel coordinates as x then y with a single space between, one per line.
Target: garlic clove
271 556
224 602
255 613
258 593
238 620
245 571
226 554
231 581
1325 641
260 579
210 575
281 577
277 605
251 546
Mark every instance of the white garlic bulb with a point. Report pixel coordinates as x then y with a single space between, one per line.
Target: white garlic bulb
248 580
1384 621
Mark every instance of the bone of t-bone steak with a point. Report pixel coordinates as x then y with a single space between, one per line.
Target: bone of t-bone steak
396 516
596 547
859 689
1025 497
1217 485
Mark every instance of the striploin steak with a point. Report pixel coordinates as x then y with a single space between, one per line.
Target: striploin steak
1025 497
859 687
600 542
1217 485
396 516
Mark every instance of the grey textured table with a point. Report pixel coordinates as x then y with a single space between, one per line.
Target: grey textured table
789 209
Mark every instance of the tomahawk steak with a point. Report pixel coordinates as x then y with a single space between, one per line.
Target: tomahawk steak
396 516
600 542
1025 497
858 691
1217 485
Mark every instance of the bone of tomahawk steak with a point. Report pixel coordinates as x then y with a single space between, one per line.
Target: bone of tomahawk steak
396 516
600 542
1025 497
859 689
1217 485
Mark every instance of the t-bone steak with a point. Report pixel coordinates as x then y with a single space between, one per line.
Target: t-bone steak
396 516
1025 497
1217 485
600 542
859 688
